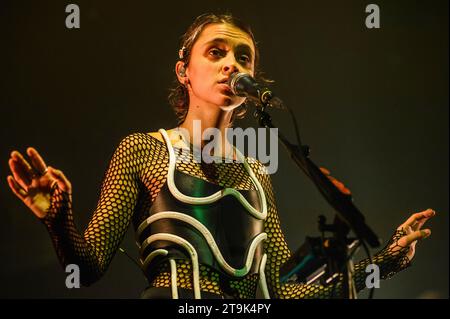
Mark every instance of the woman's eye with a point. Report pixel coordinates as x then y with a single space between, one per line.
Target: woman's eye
244 58
215 52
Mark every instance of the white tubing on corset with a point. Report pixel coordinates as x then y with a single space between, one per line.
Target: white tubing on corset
173 271
262 277
173 278
209 239
219 194
151 256
186 245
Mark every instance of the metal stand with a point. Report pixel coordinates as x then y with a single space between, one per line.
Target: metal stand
338 251
349 217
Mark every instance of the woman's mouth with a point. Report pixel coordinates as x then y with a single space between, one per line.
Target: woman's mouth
225 89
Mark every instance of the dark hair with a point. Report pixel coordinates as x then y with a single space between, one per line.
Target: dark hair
179 96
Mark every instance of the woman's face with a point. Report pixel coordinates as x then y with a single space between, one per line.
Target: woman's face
220 50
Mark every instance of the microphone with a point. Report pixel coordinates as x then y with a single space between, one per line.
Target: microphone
244 85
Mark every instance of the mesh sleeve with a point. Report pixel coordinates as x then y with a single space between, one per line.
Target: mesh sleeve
389 260
93 250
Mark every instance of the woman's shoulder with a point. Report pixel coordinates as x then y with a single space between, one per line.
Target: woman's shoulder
156 135
145 139
139 141
173 135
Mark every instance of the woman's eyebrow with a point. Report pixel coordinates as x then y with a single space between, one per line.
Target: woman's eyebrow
216 41
241 46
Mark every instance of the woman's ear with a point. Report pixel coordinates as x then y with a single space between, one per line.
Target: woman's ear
180 70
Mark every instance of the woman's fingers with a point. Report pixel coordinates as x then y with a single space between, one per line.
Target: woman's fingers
418 219
22 173
18 157
61 179
420 223
413 232
36 160
16 189
412 237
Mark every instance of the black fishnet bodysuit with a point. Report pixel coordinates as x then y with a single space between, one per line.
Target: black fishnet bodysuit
137 172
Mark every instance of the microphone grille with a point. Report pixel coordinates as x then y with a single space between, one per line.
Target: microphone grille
233 79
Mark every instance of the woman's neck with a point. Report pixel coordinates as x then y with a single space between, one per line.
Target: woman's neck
199 119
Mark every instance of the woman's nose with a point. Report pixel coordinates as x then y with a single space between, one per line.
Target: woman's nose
230 66
228 69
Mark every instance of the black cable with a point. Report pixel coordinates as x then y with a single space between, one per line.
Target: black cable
295 122
131 258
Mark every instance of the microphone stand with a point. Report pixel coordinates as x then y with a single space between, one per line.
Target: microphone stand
348 216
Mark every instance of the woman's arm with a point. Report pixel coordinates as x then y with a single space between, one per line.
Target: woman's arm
94 249
393 258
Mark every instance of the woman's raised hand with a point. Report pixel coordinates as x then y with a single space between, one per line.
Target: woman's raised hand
412 232
32 181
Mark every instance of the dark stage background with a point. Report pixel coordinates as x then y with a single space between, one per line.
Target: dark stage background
372 104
